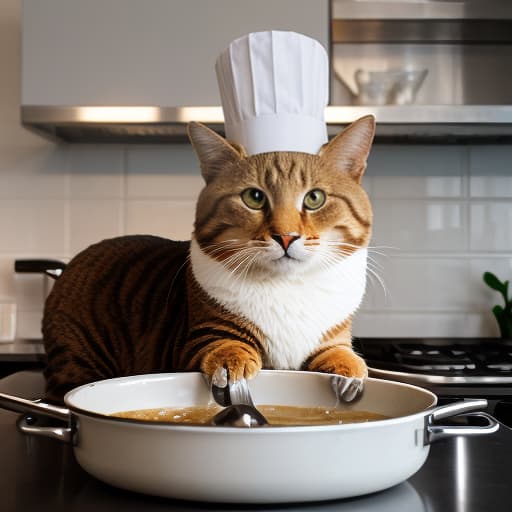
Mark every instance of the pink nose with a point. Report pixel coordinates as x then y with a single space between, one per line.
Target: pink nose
285 240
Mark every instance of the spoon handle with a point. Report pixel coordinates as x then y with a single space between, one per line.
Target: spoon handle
227 393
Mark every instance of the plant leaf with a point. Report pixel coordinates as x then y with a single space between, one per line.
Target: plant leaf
506 327
493 282
498 312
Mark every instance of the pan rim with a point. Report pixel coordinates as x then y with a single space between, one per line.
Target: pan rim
216 430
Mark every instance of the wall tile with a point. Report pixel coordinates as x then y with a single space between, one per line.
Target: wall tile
420 225
39 173
7 289
406 161
416 171
94 220
401 325
31 291
392 187
96 171
162 186
482 297
490 160
56 200
170 219
428 283
490 226
491 186
28 325
162 172
33 225
490 169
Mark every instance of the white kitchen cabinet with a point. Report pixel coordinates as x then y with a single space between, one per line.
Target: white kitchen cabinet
144 52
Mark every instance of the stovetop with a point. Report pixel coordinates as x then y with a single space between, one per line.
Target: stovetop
440 361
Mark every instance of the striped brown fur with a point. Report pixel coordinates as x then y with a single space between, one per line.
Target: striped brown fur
133 305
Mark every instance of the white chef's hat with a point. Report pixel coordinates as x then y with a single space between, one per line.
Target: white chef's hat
274 89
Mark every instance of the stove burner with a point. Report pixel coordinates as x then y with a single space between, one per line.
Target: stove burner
450 368
439 361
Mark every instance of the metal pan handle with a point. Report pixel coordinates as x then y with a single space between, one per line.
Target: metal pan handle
33 408
435 432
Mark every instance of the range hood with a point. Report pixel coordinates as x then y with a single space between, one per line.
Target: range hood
420 123
127 71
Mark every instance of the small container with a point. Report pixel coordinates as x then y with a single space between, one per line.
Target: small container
7 322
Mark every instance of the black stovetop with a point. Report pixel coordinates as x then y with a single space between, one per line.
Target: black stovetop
464 357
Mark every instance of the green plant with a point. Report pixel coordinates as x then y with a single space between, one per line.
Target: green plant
503 314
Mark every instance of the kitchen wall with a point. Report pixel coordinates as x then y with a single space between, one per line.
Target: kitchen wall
442 215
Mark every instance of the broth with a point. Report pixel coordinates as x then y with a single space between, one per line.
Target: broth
277 415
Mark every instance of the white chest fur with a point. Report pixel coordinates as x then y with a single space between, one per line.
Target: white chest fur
293 313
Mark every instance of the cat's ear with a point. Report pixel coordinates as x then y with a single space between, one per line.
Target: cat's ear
213 151
349 150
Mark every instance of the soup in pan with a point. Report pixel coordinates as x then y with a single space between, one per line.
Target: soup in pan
277 415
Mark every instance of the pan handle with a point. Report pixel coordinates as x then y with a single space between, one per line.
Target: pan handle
33 408
435 432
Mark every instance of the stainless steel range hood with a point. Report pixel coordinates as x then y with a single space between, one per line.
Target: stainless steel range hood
97 71
419 123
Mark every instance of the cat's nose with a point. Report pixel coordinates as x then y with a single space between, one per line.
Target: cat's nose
285 240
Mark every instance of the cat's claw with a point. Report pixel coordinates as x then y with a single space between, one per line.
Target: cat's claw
220 377
226 392
347 389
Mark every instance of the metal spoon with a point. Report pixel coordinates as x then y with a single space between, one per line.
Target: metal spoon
239 409
239 415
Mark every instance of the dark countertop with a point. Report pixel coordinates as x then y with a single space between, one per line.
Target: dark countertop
464 474
22 350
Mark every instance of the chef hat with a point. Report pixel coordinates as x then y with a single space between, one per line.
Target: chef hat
274 88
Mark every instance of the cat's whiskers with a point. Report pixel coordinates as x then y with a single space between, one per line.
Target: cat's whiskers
373 266
235 261
372 273
329 258
244 274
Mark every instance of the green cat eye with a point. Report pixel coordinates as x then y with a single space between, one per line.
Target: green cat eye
314 199
254 198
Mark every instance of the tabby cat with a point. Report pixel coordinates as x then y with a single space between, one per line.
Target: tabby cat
271 278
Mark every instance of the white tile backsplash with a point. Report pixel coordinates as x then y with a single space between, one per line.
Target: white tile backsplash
491 224
165 172
96 172
422 284
422 325
33 173
416 225
7 289
408 187
170 219
480 295
32 225
490 168
423 161
442 217
93 220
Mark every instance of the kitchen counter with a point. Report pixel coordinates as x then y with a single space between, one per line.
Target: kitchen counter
22 350
464 474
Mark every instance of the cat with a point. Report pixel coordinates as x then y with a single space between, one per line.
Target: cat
273 274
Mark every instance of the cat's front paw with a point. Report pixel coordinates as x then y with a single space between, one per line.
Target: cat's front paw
339 359
240 361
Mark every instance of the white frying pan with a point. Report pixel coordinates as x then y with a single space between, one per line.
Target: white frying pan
258 465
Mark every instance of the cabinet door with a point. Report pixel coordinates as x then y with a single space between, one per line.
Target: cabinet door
144 52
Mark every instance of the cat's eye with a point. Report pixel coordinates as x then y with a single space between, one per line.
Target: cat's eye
254 198
314 199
